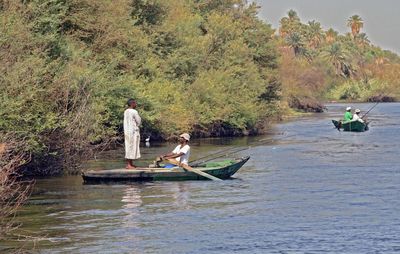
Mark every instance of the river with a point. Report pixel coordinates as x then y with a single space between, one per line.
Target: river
307 189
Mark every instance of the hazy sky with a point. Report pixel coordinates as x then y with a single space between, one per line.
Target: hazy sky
381 17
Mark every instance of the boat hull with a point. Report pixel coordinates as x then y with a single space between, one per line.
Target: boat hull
161 174
356 126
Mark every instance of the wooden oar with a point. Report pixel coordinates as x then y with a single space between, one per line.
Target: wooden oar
196 171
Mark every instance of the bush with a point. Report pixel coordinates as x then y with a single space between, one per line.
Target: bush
13 192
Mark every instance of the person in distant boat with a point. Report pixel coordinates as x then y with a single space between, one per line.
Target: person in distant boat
132 121
347 115
181 153
356 116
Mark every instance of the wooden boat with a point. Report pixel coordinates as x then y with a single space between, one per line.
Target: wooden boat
222 170
351 125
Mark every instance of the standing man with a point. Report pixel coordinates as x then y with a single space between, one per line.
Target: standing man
132 122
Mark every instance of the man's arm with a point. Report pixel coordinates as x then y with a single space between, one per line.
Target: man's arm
137 118
171 155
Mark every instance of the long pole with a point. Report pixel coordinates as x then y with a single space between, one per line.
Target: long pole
224 151
221 154
370 109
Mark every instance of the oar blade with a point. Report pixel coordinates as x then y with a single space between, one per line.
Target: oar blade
196 171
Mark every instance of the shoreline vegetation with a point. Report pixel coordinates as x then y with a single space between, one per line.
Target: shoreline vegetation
211 68
13 191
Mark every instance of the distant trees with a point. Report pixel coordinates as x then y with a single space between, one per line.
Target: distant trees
345 59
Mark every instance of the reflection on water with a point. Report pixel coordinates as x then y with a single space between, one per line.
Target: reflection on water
311 189
131 202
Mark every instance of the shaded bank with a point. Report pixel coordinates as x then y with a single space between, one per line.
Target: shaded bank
306 104
13 191
382 98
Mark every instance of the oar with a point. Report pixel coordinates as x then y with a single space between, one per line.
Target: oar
196 171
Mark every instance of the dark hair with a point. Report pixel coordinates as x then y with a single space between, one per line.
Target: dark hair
130 101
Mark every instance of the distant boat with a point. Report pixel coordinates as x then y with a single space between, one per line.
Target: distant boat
221 169
356 126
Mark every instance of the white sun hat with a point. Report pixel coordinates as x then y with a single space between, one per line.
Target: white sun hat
357 111
185 136
348 108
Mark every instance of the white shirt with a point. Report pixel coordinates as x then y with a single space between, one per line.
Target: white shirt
186 153
357 118
132 121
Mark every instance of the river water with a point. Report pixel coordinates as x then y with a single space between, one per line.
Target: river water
307 188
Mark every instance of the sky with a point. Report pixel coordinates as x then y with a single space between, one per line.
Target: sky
381 17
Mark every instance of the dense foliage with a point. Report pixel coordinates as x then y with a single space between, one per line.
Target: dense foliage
68 67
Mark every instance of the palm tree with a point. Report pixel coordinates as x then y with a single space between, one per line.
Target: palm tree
289 24
292 14
295 41
331 35
355 23
335 55
315 34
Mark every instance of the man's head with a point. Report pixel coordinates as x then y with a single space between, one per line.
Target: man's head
131 103
348 109
184 137
357 111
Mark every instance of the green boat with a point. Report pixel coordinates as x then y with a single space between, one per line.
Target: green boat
222 169
351 125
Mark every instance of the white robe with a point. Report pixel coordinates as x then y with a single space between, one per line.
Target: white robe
357 118
132 122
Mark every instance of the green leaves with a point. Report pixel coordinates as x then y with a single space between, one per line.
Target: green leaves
73 64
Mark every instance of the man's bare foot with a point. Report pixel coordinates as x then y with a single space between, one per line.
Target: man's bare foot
130 167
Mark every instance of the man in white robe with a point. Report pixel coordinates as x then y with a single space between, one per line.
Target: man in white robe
132 122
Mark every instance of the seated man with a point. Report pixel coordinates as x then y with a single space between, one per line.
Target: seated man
347 115
356 116
181 153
